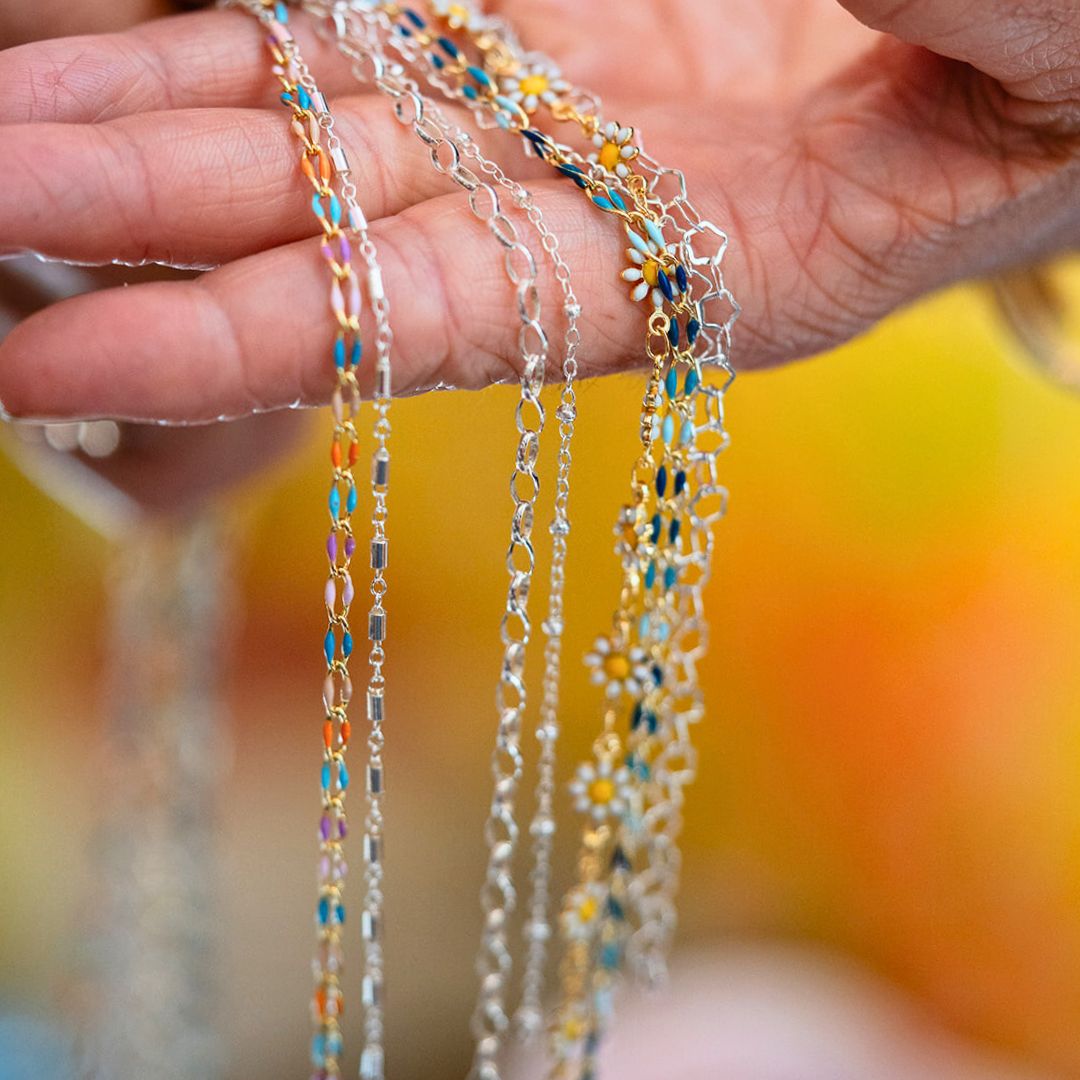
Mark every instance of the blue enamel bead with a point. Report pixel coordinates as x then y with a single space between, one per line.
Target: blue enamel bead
335 210
610 956
665 285
437 61
661 480
317 206
655 234
657 524
342 776
680 278
680 482
288 99
324 775
574 174
650 575
414 18
318 1050
339 353
671 382
658 675
329 646
640 244
693 328
350 500
281 12
667 429
673 333
303 97
687 435
604 204
470 92
615 909
480 76
357 352
673 530
670 577
693 380
340 915
619 860
643 626
449 48
346 644
617 199
334 502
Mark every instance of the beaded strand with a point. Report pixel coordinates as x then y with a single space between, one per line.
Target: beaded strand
311 123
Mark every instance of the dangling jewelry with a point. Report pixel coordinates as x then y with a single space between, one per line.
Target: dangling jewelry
339 216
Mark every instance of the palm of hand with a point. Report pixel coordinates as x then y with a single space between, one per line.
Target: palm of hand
853 172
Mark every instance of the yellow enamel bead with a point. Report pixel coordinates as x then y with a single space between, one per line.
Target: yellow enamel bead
601 792
533 84
609 156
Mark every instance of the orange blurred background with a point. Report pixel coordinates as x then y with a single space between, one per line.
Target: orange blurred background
888 776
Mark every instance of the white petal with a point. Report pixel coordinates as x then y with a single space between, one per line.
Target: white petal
628 152
640 291
657 298
610 129
635 256
625 134
632 274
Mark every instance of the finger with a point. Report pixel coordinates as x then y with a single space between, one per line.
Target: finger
193 187
50 18
203 60
1032 48
256 335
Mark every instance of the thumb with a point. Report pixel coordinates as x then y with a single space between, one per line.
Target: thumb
1032 47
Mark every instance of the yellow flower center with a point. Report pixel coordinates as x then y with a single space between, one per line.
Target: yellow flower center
573 1029
602 791
616 666
650 271
534 84
587 909
457 13
609 156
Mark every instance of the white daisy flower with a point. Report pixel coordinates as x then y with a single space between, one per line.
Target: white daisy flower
533 84
615 149
602 790
646 266
619 670
582 911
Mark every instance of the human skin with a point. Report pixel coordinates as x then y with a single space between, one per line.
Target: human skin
854 173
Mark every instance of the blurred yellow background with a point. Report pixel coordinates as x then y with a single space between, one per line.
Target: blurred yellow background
889 768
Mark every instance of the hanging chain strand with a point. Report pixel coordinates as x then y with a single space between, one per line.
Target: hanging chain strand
322 166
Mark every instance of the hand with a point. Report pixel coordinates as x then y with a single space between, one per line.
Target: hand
853 171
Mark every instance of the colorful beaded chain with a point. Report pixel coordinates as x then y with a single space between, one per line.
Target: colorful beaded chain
311 122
